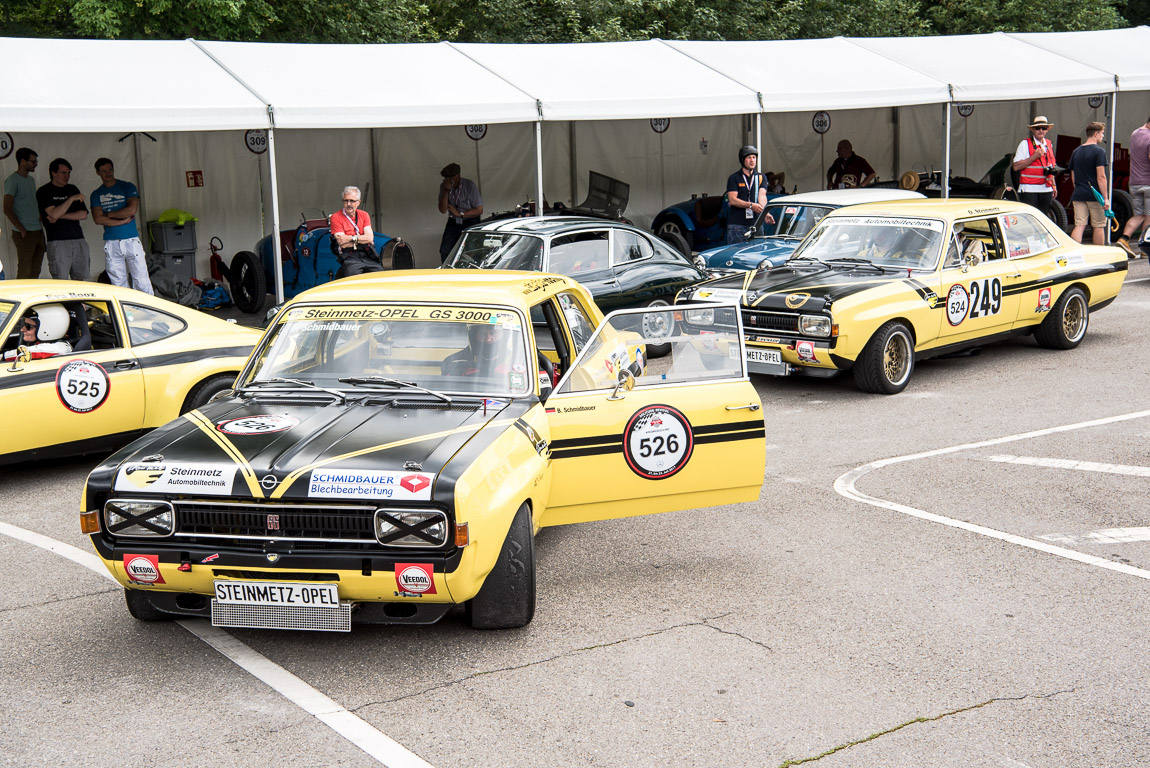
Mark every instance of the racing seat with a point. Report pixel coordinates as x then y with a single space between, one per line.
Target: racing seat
707 211
79 335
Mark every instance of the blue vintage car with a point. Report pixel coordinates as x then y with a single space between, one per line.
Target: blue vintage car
308 261
794 216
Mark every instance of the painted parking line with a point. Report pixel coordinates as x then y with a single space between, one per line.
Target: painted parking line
845 486
1080 466
348 725
1105 536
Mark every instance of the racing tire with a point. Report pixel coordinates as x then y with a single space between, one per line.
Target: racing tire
1123 207
507 598
1065 326
669 229
249 283
657 326
1059 215
397 254
141 608
887 360
206 390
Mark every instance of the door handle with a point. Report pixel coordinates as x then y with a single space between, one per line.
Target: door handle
748 406
124 365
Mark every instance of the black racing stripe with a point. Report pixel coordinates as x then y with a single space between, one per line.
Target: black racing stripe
924 292
746 434
577 442
177 358
731 427
572 453
15 379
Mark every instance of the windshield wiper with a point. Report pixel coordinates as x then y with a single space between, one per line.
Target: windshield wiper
858 262
356 381
297 383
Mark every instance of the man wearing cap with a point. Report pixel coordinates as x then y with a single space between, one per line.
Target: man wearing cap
459 199
1034 161
746 196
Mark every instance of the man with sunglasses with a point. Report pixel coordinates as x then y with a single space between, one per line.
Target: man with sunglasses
352 238
34 338
1034 161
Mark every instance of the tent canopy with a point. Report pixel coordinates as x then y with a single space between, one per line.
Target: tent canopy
1125 52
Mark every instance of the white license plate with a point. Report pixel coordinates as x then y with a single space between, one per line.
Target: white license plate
283 593
768 356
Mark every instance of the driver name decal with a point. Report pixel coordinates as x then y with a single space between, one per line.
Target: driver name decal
82 386
658 442
370 484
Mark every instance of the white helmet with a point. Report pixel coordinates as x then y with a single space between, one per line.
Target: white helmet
52 322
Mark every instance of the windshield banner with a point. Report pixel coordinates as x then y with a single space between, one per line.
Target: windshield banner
333 315
887 221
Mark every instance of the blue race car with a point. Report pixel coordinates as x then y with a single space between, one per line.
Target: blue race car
308 261
794 216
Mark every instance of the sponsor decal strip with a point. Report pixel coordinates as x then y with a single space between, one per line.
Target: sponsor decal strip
209 429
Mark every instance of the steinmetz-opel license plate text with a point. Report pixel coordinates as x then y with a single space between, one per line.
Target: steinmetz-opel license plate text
277 593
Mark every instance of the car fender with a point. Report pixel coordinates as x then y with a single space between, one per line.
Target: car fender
674 213
167 387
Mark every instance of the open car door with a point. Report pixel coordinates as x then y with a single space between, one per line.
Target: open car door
631 435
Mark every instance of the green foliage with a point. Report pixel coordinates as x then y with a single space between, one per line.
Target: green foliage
965 17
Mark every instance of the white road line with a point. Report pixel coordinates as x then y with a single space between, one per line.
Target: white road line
348 725
1081 466
1105 536
1139 280
845 486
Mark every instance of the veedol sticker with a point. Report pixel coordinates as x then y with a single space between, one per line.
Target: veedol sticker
957 304
418 578
143 569
657 442
257 425
82 385
209 479
806 352
1043 301
370 484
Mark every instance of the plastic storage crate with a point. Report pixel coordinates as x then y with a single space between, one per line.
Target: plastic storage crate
168 237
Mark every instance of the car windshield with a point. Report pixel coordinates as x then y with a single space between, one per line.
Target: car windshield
498 250
790 220
6 308
883 241
360 348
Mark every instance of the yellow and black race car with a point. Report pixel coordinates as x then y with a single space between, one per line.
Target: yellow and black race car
876 287
396 441
88 366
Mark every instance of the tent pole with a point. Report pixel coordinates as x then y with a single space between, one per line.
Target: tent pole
539 210
277 257
375 209
946 154
1110 129
142 215
759 139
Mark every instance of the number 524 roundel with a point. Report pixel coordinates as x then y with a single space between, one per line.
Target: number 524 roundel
876 287
395 442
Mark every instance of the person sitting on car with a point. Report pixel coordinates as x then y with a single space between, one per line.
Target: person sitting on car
42 334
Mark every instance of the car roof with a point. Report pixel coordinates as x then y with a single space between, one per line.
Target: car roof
952 209
63 290
446 286
841 197
549 225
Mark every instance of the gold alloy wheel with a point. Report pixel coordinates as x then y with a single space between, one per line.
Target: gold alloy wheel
895 358
1074 318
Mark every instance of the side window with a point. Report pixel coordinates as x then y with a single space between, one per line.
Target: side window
1026 235
146 325
629 247
84 325
580 252
987 233
577 320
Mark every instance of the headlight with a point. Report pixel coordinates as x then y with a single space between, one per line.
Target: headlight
814 325
700 316
411 528
764 264
129 517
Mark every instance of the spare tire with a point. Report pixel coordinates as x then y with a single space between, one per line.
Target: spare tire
249 283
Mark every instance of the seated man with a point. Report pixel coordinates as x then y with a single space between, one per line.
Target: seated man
486 353
352 238
42 333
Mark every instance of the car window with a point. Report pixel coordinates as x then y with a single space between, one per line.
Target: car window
578 321
6 308
985 231
146 325
580 252
497 250
1025 235
885 241
792 220
85 325
629 247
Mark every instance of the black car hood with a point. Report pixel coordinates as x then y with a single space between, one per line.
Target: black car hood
811 288
264 449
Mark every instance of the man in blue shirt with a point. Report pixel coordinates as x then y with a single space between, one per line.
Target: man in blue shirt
746 196
20 208
114 205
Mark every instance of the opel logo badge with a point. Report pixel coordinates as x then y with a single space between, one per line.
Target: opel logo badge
267 482
272 557
796 300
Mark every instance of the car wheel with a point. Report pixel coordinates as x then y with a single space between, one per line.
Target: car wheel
659 325
141 608
206 390
676 241
507 598
887 361
669 229
1059 216
1065 326
1003 192
249 284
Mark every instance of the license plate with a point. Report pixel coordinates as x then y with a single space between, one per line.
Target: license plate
766 356
288 594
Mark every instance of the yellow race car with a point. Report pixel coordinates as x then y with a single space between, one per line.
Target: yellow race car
88 366
396 441
876 287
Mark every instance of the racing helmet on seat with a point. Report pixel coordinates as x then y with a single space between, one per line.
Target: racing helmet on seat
747 150
52 322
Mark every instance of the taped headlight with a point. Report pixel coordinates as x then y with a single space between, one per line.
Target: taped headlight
814 325
134 517
411 528
701 316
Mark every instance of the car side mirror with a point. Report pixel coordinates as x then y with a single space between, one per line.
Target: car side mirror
749 234
22 356
626 384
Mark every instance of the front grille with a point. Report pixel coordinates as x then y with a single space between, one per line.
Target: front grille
782 322
278 521
282 617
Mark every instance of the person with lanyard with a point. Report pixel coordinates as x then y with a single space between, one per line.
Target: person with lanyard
1034 162
459 198
746 196
351 237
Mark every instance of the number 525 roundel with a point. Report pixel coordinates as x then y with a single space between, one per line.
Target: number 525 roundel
395 442
876 287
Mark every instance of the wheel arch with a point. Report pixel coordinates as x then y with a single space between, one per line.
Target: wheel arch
673 213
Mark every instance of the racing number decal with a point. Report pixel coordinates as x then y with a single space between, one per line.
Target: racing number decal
257 425
983 300
657 442
82 385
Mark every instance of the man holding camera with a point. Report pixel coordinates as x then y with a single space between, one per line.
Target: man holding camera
1034 160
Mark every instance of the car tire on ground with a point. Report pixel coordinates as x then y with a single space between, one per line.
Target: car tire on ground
507 598
1059 215
1065 326
671 227
657 326
676 241
206 390
249 283
887 360
141 608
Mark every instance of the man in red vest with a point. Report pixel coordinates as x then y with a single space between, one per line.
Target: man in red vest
1034 159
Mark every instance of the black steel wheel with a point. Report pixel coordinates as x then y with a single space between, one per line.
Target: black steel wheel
887 361
248 282
1065 326
507 598
669 229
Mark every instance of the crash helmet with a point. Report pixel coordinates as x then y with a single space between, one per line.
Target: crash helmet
51 320
747 150
489 342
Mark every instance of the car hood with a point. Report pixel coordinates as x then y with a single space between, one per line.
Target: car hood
812 288
410 450
748 255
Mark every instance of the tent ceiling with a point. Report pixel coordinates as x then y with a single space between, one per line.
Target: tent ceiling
1125 52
